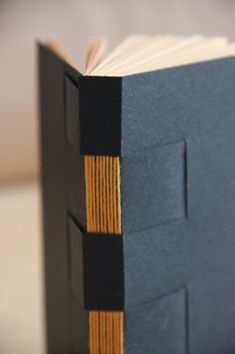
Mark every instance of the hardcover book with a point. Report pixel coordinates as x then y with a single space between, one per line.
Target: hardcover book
138 184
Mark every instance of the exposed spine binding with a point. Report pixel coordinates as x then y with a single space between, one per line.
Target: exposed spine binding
102 176
106 332
103 211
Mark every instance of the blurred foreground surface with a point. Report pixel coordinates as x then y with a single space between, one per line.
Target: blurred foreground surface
21 315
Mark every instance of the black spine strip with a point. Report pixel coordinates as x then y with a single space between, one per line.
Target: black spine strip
100 115
103 272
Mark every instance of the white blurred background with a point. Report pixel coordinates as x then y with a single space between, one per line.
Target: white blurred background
73 24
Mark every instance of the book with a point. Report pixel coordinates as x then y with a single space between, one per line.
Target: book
138 185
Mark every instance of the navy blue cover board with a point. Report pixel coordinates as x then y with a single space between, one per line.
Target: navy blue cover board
174 130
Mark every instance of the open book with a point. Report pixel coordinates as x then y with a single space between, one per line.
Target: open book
139 54
138 177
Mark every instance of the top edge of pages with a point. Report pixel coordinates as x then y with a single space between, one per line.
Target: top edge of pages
141 53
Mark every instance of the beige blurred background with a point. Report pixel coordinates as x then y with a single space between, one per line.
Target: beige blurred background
72 24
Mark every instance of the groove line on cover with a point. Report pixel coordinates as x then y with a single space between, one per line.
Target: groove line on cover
103 211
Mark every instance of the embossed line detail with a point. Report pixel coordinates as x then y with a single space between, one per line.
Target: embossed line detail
154 187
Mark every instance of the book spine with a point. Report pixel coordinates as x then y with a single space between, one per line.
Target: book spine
83 246
100 123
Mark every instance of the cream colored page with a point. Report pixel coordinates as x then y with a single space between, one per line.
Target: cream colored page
201 49
212 55
131 51
200 52
177 45
157 44
124 49
173 53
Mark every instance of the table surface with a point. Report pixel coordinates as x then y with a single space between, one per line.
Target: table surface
21 290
